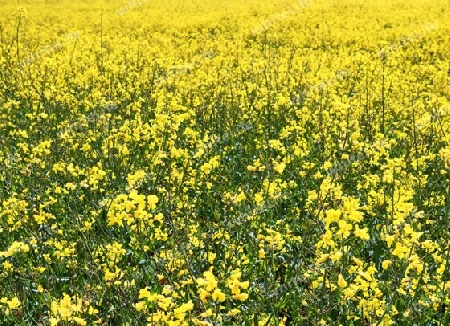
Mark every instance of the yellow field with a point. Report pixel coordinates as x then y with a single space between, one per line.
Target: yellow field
225 162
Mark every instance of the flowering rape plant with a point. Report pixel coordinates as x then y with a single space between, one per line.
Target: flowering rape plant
224 163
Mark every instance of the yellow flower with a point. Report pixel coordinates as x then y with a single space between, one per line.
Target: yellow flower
207 313
218 295
211 282
333 215
140 306
385 264
152 200
240 296
244 285
327 239
79 321
361 233
400 250
164 302
280 167
54 321
233 312
181 310
389 239
322 258
70 186
261 253
341 281
344 229
251 168
14 303
203 294
336 256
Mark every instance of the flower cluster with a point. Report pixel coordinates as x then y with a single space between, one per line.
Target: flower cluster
225 163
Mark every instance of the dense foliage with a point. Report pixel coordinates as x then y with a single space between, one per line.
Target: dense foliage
225 162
